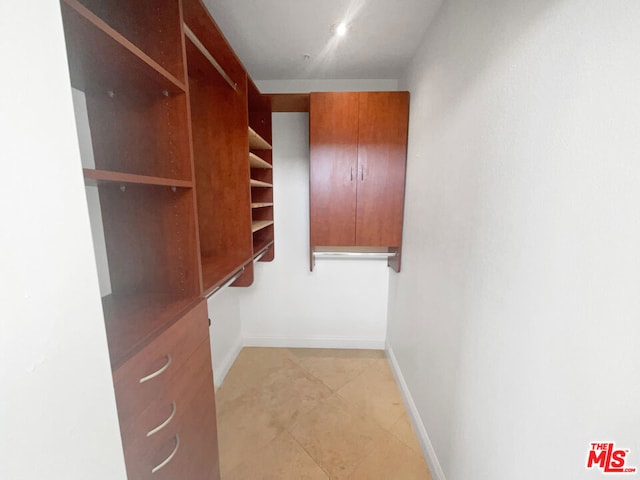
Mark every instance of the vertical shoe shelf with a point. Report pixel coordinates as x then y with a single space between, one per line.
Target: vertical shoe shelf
261 167
258 152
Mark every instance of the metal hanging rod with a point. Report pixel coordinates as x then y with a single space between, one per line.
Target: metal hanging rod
355 255
260 255
205 52
229 282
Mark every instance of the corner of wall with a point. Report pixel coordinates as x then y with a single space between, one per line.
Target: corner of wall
223 367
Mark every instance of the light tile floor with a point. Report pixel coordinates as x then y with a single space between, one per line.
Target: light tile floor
289 414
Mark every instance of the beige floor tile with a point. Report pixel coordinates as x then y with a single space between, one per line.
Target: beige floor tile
252 419
404 431
278 418
335 367
375 393
336 436
230 390
291 392
254 366
390 459
281 459
244 428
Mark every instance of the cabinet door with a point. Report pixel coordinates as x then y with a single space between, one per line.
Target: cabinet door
382 155
333 137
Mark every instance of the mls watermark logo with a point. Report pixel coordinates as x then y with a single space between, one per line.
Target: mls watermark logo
609 459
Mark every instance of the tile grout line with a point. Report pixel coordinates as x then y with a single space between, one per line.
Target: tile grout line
352 406
328 474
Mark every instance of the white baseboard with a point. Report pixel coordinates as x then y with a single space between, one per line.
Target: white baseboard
314 342
418 425
220 371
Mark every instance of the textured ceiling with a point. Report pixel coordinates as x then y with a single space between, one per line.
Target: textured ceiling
271 37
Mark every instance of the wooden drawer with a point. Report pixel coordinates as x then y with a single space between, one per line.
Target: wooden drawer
165 411
189 415
137 387
200 459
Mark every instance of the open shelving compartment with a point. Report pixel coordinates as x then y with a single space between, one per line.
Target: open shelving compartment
261 166
132 117
218 99
152 26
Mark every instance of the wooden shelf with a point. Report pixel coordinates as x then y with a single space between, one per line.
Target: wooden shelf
154 27
198 19
258 183
219 123
260 224
290 102
256 162
261 163
100 177
132 321
257 142
102 59
136 109
216 271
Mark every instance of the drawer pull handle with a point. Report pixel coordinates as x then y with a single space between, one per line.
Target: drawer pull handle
159 372
169 458
166 422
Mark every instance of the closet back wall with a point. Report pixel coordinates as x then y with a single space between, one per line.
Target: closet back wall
340 304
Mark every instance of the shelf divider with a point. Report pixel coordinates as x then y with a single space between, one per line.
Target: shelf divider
256 162
260 224
258 183
97 177
257 142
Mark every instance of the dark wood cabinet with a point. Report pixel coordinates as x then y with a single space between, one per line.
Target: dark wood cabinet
333 138
170 183
166 404
358 146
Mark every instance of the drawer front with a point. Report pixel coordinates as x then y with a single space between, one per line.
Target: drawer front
147 376
184 422
198 423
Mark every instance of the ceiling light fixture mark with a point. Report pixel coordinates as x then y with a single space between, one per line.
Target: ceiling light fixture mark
339 29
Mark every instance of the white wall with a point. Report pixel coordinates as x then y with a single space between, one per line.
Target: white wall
57 407
225 333
515 319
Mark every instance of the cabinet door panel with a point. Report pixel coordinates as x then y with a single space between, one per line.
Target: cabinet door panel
382 154
333 136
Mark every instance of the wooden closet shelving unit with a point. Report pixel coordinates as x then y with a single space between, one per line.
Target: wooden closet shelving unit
261 166
170 111
138 116
219 121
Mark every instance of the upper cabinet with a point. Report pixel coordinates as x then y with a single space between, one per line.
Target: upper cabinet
357 175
